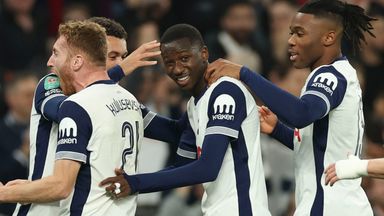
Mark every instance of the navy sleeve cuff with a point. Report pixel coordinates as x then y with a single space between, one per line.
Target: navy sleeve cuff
133 182
283 134
116 73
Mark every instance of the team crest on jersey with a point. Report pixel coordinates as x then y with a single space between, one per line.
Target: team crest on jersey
326 81
67 131
51 82
224 108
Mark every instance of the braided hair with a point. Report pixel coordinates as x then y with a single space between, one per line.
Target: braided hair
351 17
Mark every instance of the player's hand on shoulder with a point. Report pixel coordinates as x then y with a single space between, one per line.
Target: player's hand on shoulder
117 186
222 67
268 120
139 57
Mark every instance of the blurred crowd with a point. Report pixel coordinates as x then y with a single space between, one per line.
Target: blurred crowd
252 33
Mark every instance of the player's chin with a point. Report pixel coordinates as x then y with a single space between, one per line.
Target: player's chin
298 65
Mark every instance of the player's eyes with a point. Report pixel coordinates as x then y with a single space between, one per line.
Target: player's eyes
185 59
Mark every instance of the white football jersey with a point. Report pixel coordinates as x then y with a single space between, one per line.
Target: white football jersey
43 140
239 188
101 128
328 140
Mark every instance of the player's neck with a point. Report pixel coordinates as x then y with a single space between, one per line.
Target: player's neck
88 77
327 58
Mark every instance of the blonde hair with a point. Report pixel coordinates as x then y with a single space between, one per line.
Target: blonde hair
87 37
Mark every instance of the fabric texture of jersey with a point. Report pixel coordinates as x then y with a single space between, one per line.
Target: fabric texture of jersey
227 108
43 140
101 128
328 140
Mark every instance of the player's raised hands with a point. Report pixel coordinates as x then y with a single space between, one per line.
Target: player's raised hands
222 67
118 186
139 57
268 120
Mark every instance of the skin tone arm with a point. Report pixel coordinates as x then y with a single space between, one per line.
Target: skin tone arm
138 58
354 168
52 188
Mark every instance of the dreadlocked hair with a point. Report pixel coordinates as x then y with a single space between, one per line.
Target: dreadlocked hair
352 17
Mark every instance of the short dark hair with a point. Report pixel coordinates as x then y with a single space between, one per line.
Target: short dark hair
351 17
181 31
112 28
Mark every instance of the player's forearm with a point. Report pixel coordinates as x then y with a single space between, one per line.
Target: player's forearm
44 190
296 112
202 170
283 134
163 129
376 168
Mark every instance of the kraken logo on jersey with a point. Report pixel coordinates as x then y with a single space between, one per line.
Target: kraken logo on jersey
224 108
327 81
67 131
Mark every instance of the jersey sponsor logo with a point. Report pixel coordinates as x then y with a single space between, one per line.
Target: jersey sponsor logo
67 131
326 81
51 82
224 108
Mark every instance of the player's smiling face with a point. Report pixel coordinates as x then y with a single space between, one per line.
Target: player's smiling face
186 64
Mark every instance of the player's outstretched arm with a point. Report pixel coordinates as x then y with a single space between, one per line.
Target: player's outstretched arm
353 168
205 169
52 188
350 168
298 112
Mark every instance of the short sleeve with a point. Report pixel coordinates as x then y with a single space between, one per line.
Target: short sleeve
328 84
75 129
48 89
226 110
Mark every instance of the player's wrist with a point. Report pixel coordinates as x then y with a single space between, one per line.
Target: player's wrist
132 182
362 167
351 168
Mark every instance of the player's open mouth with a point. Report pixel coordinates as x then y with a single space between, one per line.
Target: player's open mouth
293 56
182 80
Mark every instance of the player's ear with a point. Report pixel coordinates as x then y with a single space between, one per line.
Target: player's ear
204 53
329 38
77 62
